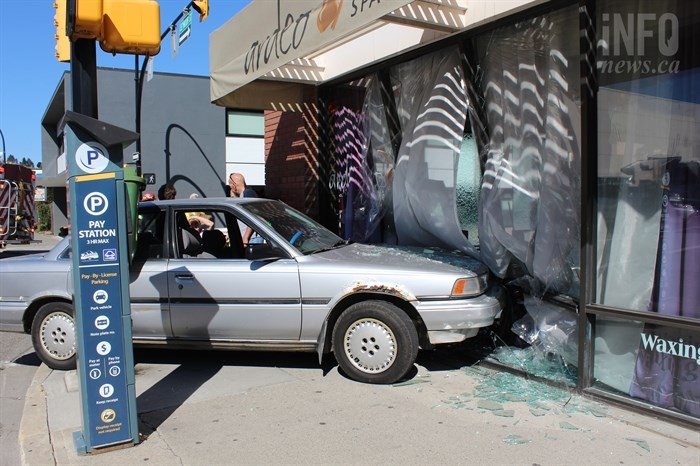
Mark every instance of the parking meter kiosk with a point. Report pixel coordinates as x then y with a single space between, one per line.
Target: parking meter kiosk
102 217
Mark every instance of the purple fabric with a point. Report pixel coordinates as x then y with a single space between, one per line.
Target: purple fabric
653 373
687 390
671 254
691 278
690 307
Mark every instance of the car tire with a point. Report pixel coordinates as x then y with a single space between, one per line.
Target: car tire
54 335
375 342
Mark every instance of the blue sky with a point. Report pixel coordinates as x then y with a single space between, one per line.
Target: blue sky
29 71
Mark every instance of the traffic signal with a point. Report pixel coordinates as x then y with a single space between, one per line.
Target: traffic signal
201 7
131 26
84 19
62 41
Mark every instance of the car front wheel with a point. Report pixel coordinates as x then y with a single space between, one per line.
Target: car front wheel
375 342
53 336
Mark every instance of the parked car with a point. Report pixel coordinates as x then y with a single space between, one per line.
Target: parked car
295 287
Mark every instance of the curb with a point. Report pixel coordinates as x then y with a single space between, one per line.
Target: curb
34 426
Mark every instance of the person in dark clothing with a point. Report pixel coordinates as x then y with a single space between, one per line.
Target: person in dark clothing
167 191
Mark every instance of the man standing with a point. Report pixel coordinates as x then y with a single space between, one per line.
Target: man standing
236 182
239 188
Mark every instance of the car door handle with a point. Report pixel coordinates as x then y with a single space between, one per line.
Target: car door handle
184 276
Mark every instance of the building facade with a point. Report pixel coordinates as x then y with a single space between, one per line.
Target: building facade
185 140
557 141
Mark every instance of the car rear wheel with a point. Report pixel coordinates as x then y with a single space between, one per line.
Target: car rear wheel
375 342
53 335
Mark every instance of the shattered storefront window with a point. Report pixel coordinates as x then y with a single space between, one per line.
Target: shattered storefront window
433 109
530 194
547 341
363 161
468 184
427 194
529 224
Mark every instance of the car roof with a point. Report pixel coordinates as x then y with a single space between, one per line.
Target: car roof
212 201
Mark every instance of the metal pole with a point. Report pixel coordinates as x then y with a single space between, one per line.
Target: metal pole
139 87
83 70
4 158
137 107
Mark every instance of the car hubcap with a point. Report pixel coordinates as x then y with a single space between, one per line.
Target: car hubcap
370 345
58 335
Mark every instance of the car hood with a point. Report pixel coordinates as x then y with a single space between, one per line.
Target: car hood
405 258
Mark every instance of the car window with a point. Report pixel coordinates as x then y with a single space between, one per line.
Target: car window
300 231
208 234
150 235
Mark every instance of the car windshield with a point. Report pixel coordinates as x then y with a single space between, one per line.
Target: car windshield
299 230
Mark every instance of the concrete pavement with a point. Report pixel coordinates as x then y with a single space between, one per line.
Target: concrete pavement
247 408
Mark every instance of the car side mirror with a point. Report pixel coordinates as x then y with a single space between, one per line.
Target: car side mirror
263 251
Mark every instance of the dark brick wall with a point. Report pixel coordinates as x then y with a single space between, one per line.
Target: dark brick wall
291 155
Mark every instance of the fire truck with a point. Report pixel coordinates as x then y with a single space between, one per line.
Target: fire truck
17 209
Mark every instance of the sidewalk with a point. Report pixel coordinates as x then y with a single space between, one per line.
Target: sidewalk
246 408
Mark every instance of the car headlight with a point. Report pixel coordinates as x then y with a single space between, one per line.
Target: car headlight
472 286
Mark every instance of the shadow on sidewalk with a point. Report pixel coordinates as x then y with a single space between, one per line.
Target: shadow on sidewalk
29 359
159 402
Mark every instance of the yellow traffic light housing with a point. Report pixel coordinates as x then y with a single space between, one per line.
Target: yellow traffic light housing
201 7
62 41
84 19
131 26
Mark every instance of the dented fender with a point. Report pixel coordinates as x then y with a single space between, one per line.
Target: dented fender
382 288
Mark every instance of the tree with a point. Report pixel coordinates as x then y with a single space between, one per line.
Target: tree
11 159
27 162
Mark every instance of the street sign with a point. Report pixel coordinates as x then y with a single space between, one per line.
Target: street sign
185 28
174 46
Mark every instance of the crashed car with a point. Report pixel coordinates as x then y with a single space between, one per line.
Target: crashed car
296 286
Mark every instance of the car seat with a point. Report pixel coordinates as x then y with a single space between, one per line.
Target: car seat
188 238
214 242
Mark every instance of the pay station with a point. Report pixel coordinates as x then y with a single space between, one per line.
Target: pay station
103 213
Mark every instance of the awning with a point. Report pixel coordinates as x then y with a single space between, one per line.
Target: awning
294 42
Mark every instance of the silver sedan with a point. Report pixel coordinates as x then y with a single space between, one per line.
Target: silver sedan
198 281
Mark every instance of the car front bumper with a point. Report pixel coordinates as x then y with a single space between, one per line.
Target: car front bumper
455 320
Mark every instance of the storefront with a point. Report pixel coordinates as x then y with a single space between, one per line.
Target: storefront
558 142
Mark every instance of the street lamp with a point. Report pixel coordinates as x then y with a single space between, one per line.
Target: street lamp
201 7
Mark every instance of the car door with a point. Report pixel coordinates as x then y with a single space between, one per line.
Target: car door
232 298
150 313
